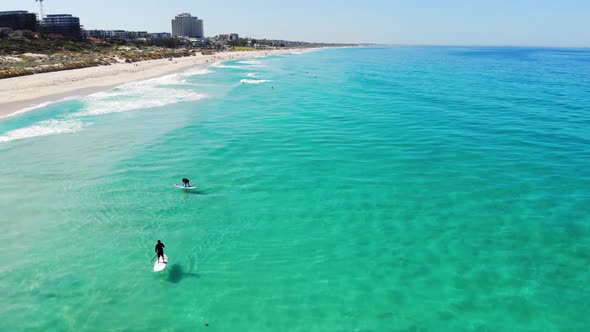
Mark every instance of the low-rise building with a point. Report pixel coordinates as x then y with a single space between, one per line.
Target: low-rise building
116 34
225 39
120 34
160 35
137 34
94 33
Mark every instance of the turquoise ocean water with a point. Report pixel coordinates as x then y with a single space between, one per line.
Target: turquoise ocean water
367 189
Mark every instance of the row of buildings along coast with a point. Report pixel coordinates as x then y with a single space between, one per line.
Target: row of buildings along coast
184 27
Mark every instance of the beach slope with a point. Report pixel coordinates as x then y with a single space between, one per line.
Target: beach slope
18 93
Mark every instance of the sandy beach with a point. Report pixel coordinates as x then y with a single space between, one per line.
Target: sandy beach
26 92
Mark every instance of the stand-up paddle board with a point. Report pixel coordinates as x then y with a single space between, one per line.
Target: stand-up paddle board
179 186
159 266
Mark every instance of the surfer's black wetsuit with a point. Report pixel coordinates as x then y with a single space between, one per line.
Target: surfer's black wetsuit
186 182
160 250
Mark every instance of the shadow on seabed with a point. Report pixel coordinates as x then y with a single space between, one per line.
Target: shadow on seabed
176 273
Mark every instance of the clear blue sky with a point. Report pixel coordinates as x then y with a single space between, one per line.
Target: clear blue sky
443 22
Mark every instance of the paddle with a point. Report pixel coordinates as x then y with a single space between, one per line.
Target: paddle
151 260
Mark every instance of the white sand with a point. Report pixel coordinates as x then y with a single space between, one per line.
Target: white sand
18 93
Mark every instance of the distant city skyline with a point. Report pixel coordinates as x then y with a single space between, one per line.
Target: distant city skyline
418 22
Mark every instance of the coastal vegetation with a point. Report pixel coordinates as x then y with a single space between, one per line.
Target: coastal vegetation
243 48
26 56
73 56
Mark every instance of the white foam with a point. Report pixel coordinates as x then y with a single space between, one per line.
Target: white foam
198 71
172 79
245 81
243 64
41 105
252 63
96 105
43 128
220 65
252 75
28 109
150 93
137 95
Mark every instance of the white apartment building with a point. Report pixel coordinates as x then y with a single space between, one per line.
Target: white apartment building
185 25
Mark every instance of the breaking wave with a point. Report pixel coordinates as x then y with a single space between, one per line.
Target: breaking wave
144 94
198 71
252 63
43 128
245 81
41 105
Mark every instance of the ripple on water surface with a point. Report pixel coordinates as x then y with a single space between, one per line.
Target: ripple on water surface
370 189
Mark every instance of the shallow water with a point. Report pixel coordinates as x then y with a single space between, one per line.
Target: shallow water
369 189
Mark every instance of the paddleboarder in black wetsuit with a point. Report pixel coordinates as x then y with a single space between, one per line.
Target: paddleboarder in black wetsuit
160 251
186 182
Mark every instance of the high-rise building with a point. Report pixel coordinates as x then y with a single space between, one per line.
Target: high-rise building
62 24
185 25
18 20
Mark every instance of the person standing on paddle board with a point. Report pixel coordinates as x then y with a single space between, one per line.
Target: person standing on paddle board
186 182
160 250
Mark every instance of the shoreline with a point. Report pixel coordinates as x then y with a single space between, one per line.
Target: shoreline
27 93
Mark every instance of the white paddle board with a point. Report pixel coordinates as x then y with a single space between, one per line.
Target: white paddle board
159 266
179 186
